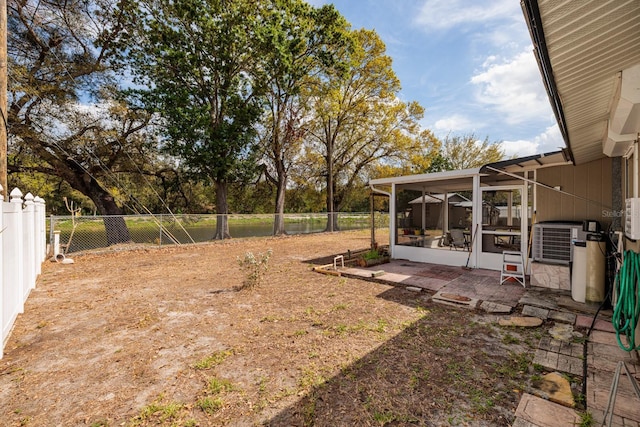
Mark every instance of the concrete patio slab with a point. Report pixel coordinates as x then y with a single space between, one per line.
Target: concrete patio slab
482 285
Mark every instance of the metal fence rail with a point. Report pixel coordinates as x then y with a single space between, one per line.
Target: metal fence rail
81 233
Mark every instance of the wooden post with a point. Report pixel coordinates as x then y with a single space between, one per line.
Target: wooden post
373 221
3 97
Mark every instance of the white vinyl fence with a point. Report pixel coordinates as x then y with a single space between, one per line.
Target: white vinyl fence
22 251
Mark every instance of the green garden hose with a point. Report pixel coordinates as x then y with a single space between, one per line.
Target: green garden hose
627 310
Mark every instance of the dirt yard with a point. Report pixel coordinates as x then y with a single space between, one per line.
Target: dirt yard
160 337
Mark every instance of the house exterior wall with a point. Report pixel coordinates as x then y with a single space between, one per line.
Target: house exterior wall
591 180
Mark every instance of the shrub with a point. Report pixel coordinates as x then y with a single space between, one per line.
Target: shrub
255 267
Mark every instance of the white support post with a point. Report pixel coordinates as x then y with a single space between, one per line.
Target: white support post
424 211
393 215
476 215
445 213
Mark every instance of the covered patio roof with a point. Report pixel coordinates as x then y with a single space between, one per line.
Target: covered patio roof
460 180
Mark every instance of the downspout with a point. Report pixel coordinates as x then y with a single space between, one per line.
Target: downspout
635 169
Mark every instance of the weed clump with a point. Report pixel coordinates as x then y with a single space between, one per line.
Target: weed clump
255 267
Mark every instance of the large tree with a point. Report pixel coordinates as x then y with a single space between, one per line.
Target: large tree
199 62
467 151
358 120
303 41
63 118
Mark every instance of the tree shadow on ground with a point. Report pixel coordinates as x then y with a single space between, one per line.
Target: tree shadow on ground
444 369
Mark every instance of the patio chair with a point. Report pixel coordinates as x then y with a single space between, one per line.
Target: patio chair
457 240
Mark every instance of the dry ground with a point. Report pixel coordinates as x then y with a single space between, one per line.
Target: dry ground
146 337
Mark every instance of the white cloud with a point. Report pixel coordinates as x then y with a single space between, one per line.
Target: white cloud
454 123
444 14
548 141
512 88
520 148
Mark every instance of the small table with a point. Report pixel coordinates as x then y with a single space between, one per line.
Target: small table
417 240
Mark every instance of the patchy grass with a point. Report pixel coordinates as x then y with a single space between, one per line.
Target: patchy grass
301 348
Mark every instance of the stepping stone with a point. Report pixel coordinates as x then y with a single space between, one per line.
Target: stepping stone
556 388
544 413
541 313
455 300
413 289
600 325
529 299
562 332
562 316
377 273
525 322
494 307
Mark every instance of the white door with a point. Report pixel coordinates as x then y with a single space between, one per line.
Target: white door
504 224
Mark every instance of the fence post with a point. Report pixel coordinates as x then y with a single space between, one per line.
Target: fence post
3 300
41 232
15 244
29 250
160 241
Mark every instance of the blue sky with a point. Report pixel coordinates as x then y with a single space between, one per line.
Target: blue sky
469 63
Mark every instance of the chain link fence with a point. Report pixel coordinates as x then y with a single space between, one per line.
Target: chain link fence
82 233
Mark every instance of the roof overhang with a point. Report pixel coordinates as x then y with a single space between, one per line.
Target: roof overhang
461 180
588 53
438 182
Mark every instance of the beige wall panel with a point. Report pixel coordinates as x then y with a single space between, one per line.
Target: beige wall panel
590 180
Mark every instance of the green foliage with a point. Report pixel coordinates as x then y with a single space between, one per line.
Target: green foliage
255 267
359 121
465 152
302 41
59 53
200 62
371 254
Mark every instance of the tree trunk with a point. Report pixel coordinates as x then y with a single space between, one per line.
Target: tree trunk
330 213
114 223
278 221
222 219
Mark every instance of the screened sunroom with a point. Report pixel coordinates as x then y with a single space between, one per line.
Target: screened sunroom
464 216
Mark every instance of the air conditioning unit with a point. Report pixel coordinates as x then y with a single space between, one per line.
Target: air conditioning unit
632 219
552 242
